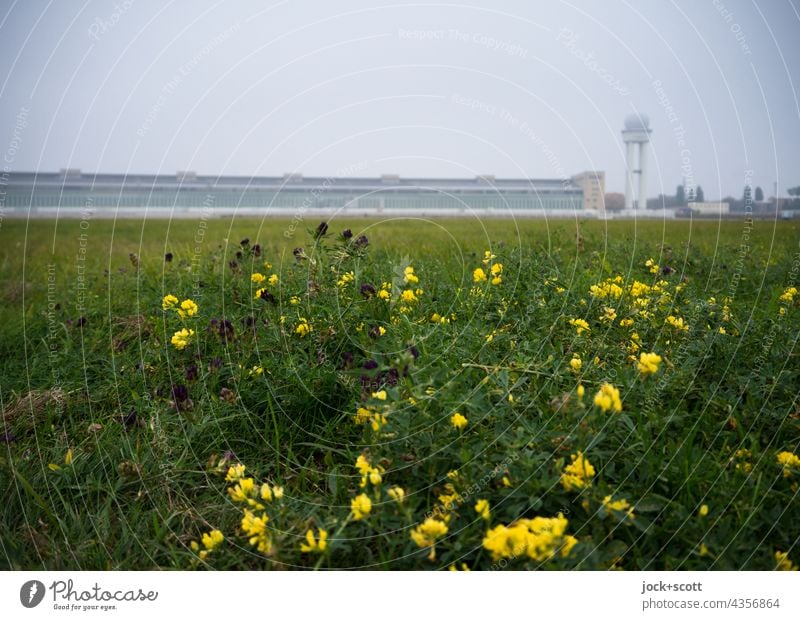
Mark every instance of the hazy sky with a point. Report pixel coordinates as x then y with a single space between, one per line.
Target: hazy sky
365 87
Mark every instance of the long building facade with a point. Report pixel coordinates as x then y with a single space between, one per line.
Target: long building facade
74 190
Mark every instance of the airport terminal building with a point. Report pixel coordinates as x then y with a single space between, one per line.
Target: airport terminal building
71 190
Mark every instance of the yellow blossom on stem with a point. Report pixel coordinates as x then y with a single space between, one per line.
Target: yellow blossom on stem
360 507
478 275
181 339
169 302
608 398
303 328
235 472
458 421
790 462
257 278
578 474
397 494
188 308
315 544
482 508
783 562
648 363
580 325
428 532
575 363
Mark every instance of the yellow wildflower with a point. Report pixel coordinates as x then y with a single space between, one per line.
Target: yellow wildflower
428 532
575 363
315 544
608 398
235 472
180 339
703 510
648 363
188 308
458 421
273 279
482 508
479 275
397 494
380 395
303 328
361 506
578 474
783 562
790 462
257 278
169 302
580 325
677 323
619 505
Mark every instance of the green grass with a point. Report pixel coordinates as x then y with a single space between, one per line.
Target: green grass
87 366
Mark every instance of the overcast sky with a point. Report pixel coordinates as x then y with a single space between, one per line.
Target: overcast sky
366 87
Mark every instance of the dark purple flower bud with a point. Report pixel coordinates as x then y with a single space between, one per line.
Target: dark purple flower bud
322 230
214 364
233 265
191 372
362 241
370 365
168 257
413 351
81 321
239 254
244 242
299 254
267 296
666 270
7 437
375 332
129 419
347 233
256 250
347 360
367 290
179 393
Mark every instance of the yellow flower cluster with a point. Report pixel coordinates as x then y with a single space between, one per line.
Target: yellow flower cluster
427 533
303 327
186 308
608 398
788 295
790 463
576 363
345 279
244 491
482 508
652 265
677 322
539 539
578 474
210 541
409 277
783 563
619 505
609 288
580 325
458 421
368 472
315 544
182 338
648 363
360 507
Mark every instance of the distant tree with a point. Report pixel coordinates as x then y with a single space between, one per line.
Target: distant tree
680 196
794 191
759 194
747 195
700 196
690 195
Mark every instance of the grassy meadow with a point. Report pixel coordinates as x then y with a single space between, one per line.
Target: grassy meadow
411 394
